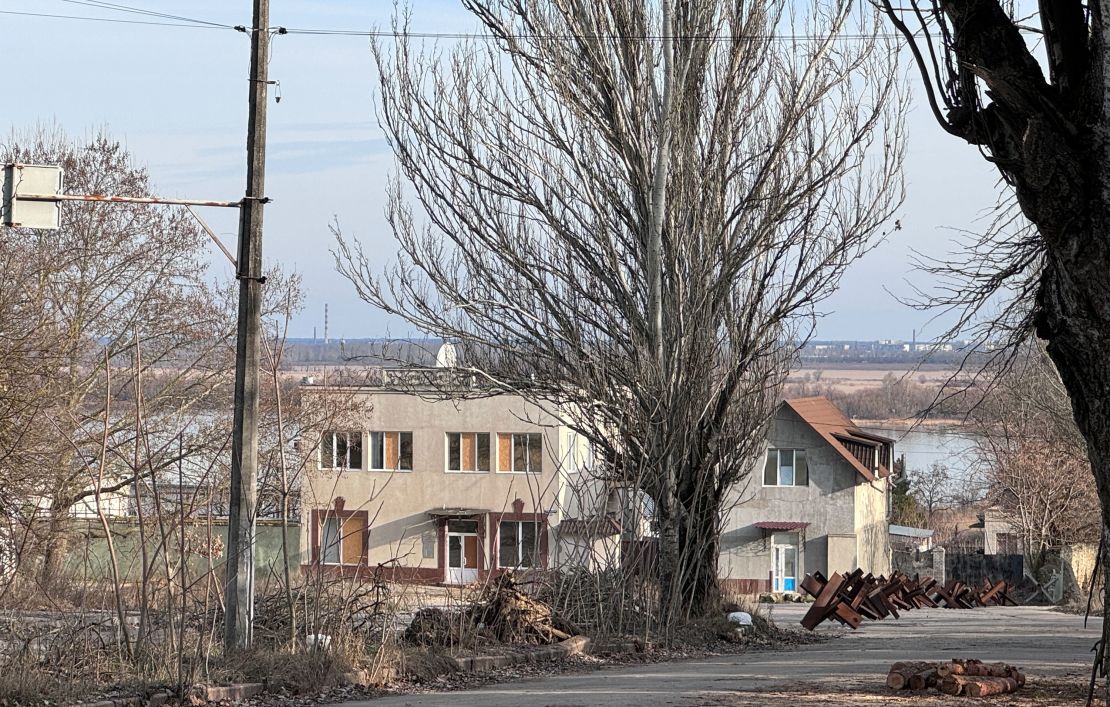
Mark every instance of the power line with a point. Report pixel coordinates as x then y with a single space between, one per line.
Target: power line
102 4
115 20
181 21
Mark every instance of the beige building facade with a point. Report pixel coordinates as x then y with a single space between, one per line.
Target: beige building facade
447 491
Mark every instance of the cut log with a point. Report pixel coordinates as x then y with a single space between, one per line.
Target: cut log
924 679
984 686
953 685
900 674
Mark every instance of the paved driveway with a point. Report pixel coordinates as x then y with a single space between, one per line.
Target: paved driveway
849 670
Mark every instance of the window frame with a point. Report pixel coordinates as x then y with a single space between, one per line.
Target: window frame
477 455
348 434
381 435
778 467
513 436
321 516
536 560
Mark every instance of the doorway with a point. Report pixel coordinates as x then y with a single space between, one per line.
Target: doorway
784 559
463 549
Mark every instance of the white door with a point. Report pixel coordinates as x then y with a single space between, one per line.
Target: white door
785 568
462 558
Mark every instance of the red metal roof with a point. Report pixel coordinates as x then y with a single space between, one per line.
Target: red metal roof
836 428
781 524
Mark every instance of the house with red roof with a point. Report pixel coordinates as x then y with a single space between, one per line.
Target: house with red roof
819 501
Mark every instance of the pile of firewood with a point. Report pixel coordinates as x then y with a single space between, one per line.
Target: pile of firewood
513 616
856 596
970 677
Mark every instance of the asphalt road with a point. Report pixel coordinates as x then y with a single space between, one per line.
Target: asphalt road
1047 644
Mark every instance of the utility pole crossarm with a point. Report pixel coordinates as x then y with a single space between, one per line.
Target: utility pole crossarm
128 200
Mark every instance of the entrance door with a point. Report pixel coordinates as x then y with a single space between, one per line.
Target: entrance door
462 551
785 562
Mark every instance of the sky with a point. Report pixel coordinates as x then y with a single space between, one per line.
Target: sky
176 97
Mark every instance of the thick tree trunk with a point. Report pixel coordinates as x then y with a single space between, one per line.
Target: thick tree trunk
1073 315
56 544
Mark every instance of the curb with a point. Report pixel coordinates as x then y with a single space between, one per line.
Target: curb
575 645
197 695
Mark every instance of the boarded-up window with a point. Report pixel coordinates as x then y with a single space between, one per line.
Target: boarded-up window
391 451
520 452
342 538
353 544
504 452
468 451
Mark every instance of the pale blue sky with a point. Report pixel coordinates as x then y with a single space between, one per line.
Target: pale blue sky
177 98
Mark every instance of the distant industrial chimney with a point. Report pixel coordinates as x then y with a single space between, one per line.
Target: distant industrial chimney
326 339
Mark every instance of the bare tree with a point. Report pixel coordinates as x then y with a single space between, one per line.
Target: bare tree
1034 458
632 208
1043 123
128 278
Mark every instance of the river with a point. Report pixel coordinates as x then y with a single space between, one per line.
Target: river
925 446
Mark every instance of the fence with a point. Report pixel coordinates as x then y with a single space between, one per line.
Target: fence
973 567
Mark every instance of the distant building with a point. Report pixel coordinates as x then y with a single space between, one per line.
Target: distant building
903 537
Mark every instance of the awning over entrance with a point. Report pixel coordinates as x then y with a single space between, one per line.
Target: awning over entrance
781 524
457 512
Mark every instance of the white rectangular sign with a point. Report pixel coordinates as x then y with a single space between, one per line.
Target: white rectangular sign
30 179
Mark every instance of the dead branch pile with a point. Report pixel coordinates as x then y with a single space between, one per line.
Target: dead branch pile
970 677
513 616
856 596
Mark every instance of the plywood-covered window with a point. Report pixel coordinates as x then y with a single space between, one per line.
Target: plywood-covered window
391 451
518 451
342 538
468 451
341 449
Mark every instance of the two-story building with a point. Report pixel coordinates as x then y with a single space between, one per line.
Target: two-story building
818 501
447 490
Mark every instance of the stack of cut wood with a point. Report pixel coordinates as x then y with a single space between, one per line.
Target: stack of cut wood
957 677
855 596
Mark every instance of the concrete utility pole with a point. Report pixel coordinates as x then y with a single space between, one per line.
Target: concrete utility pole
239 614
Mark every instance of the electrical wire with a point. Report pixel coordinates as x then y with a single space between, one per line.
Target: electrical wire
103 5
182 21
114 20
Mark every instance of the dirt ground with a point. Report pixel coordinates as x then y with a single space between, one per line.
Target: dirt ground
1053 649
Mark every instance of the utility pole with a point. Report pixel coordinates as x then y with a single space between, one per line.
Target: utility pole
239 610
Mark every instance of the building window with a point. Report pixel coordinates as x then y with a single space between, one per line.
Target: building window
341 450
342 539
786 467
468 451
520 452
516 544
391 451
